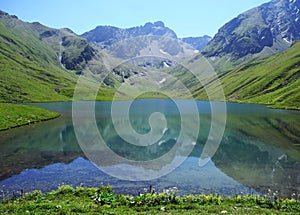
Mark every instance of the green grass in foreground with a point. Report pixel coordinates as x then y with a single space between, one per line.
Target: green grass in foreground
67 200
15 115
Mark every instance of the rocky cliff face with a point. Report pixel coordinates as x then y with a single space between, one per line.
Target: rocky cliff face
76 58
275 25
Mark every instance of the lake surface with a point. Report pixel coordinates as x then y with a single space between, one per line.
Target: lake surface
260 151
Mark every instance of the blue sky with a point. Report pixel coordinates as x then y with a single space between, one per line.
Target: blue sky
186 18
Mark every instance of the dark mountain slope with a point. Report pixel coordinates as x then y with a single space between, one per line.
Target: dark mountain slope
259 32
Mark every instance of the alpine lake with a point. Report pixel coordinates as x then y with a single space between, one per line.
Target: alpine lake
259 152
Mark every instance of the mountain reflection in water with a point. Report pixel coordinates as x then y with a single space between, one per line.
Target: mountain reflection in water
259 151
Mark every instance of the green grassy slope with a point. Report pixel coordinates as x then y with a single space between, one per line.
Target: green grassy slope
34 58
274 80
29 68
13 115
39 64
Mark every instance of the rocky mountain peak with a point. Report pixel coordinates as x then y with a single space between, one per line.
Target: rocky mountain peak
107 35
274 25
159 24
2 13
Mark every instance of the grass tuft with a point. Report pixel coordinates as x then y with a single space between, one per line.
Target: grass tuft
66 200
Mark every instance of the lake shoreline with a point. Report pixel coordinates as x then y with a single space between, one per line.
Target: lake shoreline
20 115
271 106
67 199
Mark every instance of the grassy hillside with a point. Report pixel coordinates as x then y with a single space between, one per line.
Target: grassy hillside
274 80
40 63
29 69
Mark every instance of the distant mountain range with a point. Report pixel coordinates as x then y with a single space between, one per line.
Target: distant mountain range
40 63
197 42
105 36
151 38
